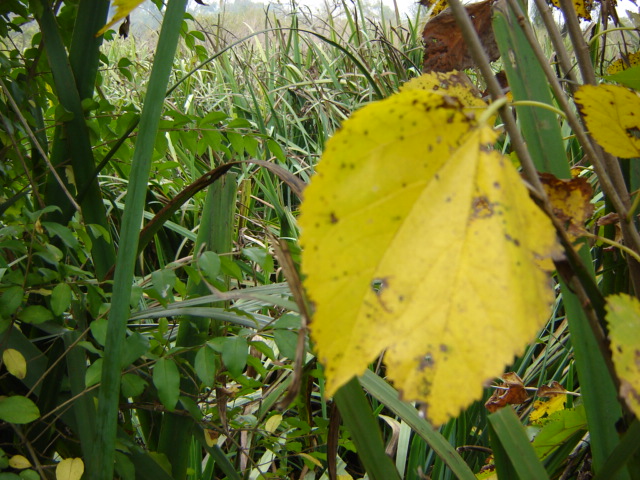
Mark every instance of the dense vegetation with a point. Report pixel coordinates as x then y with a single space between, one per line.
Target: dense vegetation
179 349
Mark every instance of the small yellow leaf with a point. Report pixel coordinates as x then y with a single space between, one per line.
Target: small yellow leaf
19 462
273 423
70 469
123 8
436 6
546 408
612 115
621 64
571 201
15 363
623 318
412 228
211 437
312 459
582 7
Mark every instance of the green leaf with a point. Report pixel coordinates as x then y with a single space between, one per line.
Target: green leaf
234 354
11 300
18 409
209 263
35 314
136 345
99 330
93 373
60 298
63 232
261 256
629 77
205 365
132 385
287 341
166 378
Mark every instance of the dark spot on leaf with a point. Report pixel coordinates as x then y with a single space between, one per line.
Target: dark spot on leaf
426 362
333 217
496 185
443 347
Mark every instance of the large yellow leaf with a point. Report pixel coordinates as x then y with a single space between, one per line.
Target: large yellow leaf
123 8
70 469
623 317
612 115
422 242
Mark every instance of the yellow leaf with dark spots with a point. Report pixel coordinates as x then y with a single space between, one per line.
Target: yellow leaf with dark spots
420 241
623 318
612 115
582 7
632 60
571 201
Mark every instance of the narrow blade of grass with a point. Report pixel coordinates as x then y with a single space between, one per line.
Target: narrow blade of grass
512 438
102 464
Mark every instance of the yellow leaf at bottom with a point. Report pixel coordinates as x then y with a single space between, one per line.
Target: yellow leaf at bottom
623 317
70 469
422 242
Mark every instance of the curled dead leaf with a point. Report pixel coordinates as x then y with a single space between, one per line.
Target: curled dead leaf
515 393
445 49
552 390
571 201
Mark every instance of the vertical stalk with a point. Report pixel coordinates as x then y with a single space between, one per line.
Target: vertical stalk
102 462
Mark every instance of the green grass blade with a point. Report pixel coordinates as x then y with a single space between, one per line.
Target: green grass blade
102 464
365 432
77 144
626 449
511 436
540 127
388 396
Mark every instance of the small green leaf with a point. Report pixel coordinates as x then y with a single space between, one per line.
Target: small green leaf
99 330
210 265
60 298
205 365
132 385
286 340
261 257
234 354
230 267
11 300
18 409
35 314
166 378
62 232
136 345
93 374
29 475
